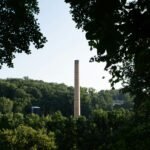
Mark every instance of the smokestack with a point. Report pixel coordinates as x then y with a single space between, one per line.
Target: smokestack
76 90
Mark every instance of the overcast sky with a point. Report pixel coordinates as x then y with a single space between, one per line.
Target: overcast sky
55 62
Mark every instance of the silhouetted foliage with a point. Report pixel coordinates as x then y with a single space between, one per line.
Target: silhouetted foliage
119 31
18 29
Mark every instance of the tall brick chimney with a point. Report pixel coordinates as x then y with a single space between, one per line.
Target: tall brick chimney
76 89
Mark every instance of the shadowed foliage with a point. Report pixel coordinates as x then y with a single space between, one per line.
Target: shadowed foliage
18 29
119 31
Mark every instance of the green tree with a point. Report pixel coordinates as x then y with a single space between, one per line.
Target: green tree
35 121
57 124
20 105
6 105
133 136
18 29
85 102
52 97
11 120
119 31
24 137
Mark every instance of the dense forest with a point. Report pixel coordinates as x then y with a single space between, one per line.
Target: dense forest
107 120
19 95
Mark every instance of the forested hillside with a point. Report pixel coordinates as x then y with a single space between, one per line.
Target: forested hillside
18 95
107 121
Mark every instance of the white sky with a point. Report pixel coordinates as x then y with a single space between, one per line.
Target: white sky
55 62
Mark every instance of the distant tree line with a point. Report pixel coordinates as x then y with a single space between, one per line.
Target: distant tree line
18 95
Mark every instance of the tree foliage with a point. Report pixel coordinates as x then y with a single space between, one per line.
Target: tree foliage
119 31
24 137
6 105
18 95
18 29
103 130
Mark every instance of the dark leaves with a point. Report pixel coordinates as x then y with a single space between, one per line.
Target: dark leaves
18 29
119 31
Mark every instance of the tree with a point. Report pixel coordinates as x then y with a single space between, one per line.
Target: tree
6 105
18 29
119 31
24 137
53 97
